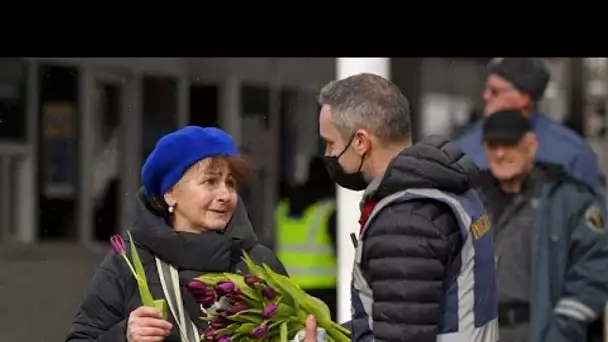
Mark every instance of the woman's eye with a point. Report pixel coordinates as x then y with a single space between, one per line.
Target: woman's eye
231 183
210 181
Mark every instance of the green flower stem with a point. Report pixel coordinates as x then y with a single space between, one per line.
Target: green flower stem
342 329
124 256
144 291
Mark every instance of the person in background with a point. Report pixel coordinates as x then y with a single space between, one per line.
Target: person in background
519 83
551 247
473 117
189 219
306 235
413 277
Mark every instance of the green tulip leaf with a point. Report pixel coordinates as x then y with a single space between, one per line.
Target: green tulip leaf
284 332
144 290
161 305
247 319
210 279
245 328
321 305
239 280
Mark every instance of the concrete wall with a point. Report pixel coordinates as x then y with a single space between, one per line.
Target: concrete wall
40 289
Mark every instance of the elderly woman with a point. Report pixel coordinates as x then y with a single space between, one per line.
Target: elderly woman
189 218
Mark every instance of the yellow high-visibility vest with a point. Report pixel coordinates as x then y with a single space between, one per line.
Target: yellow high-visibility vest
305 247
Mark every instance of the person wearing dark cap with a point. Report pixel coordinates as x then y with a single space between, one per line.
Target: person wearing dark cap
548 235
189 221
519 83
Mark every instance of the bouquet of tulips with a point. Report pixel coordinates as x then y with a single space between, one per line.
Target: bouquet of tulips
262 305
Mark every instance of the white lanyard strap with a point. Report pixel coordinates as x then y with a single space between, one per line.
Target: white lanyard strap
169 280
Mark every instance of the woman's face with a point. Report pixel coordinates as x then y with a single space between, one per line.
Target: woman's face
204 198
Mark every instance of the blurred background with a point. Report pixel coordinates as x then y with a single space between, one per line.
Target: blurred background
75 131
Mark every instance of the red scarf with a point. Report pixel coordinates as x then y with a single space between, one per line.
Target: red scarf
367 210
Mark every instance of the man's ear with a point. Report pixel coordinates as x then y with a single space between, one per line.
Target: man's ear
531 142
362 141
525 100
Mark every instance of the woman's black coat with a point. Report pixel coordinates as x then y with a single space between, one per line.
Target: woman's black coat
113 294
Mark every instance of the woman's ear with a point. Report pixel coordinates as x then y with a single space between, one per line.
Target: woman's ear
168 198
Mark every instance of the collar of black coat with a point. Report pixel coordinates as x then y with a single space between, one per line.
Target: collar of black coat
208 252
432 163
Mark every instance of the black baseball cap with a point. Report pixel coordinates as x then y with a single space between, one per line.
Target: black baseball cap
506 125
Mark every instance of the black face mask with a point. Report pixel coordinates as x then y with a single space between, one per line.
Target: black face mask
353 181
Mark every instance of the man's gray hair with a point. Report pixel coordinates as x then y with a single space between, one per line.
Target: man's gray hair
369 102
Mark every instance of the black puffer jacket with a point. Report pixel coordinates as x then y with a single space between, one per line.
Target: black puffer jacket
409 246
113 293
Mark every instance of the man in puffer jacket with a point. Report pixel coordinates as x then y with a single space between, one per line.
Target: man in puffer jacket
424 264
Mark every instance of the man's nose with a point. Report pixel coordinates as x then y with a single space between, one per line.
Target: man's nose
499 151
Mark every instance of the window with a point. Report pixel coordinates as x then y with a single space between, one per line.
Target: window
204 106
58 87
159 110
12 99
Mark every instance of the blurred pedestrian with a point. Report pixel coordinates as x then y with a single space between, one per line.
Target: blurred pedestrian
519 83
306 235
549 238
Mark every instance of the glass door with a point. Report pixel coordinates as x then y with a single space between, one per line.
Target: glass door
106 155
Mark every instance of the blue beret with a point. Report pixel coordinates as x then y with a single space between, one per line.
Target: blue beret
175 152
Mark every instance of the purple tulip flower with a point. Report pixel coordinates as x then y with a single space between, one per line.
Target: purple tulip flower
223 339
236 309
252 281
268 292
269 311
217 323
260 331
209 334
225 287
222 314
203 295
197 287
234 299
206 301
118 244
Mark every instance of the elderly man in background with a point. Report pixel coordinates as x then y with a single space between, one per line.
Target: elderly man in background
519 83
551 247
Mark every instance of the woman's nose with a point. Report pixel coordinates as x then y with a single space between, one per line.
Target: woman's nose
223 193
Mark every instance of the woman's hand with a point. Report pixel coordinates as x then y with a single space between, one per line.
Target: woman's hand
146 325
310 332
